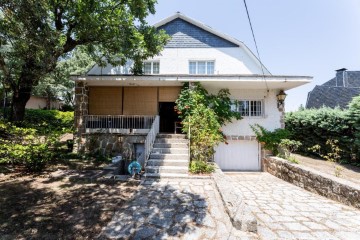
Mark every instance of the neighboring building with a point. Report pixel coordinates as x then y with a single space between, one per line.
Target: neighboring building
36 102
337 92
115 110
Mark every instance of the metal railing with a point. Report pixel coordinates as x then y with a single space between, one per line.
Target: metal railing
118 121
150 138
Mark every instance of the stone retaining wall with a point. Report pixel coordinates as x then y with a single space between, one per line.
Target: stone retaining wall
321 183
239 213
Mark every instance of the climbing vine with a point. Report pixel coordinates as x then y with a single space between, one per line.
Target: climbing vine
202 116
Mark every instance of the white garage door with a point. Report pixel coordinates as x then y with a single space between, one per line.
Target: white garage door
238 155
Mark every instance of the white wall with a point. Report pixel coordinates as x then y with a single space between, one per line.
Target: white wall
176 61
227 60
270 120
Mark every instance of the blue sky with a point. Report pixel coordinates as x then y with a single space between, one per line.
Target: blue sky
296 37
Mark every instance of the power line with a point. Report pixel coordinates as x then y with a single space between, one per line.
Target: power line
257 49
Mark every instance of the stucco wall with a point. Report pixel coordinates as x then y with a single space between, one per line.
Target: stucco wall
40 103
270 120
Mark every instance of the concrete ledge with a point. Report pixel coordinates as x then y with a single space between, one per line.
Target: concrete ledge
326 185
239 213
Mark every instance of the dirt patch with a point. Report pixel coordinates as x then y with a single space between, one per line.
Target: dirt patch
56 206
349 172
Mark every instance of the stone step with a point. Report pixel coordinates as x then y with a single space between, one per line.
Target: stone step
166 169
166 175
170 145
171 140
176 136
170 150
172 162
168 156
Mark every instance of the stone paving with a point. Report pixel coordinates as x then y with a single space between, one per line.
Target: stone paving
285 211
174 209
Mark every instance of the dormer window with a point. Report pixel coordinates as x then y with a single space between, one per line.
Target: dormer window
201 67
151 67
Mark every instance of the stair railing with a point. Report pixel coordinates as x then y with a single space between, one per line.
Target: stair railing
150 138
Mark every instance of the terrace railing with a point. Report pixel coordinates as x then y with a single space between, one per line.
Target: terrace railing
116 123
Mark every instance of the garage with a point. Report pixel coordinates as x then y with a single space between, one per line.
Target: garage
238 156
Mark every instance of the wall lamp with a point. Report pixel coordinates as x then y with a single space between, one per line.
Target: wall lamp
281 98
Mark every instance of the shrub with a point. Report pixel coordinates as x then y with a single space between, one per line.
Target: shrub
199 166
315 126
271 139
353 116
288 146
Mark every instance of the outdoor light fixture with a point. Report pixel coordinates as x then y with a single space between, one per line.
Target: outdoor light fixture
281 98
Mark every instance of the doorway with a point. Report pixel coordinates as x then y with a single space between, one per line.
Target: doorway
168 117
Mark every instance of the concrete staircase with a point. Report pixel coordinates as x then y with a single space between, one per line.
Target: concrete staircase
169 157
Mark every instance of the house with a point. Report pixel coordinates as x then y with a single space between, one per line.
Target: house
38 102
116 111
337 92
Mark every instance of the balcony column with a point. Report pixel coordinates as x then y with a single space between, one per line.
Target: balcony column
81 109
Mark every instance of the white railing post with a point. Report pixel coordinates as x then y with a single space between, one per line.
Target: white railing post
150 138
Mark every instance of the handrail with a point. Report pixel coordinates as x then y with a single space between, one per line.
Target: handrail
150 138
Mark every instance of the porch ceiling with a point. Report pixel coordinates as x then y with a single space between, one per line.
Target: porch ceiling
208 81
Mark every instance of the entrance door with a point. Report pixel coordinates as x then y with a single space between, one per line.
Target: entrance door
168 117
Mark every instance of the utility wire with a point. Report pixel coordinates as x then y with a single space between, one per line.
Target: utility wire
257 49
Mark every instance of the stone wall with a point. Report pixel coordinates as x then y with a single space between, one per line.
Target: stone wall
317 182
81 109
113 144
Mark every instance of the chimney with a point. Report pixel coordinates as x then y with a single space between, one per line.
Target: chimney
341 77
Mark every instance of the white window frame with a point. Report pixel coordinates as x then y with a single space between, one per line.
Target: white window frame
236 107
151 66
206 66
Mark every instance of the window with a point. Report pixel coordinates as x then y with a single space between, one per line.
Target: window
201 67
248 108
151 67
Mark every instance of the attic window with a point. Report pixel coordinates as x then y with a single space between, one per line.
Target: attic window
151 67
201 67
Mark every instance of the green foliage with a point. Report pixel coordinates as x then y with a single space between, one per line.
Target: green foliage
292 159
23 146
271 139
353 116
197 167
48 121
202 116
316 126
36 34
287 147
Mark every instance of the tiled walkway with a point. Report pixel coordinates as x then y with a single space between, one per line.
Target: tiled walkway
174 209
285 211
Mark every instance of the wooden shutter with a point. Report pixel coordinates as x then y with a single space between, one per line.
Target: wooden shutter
105 100
140 101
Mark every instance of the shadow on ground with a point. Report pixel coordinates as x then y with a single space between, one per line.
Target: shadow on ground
42 208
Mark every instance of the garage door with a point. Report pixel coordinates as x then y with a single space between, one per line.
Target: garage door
239 156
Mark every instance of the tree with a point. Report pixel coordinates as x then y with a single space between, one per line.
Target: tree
58 85
35 34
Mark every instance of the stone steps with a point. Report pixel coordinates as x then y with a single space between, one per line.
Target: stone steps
169 158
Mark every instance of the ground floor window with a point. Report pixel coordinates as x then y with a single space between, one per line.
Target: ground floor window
248 108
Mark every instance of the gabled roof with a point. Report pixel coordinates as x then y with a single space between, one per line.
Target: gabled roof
206 28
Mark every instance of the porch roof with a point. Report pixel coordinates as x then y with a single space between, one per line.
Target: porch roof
231 81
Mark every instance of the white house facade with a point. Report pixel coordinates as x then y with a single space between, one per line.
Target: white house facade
195 53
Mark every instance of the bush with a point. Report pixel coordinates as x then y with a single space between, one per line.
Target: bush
353 116
271 139
198 166
316 126
48 121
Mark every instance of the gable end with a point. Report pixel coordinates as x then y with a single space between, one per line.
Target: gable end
186 35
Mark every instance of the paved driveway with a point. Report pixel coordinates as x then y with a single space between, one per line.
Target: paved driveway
174 209
285 211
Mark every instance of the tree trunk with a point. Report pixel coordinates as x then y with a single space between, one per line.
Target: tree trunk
19 101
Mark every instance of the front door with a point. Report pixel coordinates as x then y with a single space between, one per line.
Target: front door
168 117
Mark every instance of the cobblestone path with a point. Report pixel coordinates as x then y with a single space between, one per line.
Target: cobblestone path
285 211
174 209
